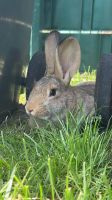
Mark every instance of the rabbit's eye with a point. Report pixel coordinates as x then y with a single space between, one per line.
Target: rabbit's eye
52 92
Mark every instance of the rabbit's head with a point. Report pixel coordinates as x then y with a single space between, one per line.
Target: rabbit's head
50 94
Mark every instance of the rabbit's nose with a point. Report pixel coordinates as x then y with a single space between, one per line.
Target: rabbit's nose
28 110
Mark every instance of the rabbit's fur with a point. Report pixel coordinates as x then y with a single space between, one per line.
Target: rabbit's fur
52 95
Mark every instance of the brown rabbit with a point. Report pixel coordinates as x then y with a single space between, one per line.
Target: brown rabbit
53 95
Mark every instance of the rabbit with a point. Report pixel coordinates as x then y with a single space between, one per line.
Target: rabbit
52 95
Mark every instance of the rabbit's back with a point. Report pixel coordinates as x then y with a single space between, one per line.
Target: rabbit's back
84 92
87 87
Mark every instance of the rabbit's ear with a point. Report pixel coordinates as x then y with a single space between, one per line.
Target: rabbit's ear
51 44
68 59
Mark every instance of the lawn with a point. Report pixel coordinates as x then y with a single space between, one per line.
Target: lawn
71 161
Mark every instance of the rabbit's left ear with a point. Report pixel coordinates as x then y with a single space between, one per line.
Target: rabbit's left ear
68 56
51 44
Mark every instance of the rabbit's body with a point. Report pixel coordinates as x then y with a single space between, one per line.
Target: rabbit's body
52 96
85 95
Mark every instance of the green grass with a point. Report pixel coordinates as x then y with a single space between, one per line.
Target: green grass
65 162
86 76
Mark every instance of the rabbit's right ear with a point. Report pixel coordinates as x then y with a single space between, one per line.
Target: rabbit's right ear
51 44
68 56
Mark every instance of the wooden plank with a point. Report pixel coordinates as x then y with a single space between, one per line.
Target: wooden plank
103 91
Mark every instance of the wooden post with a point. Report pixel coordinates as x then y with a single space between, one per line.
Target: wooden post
103 90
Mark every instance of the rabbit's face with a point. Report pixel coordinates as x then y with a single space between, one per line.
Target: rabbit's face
50 95
47 99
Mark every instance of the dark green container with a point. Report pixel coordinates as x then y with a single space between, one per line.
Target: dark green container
88 20
15 30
